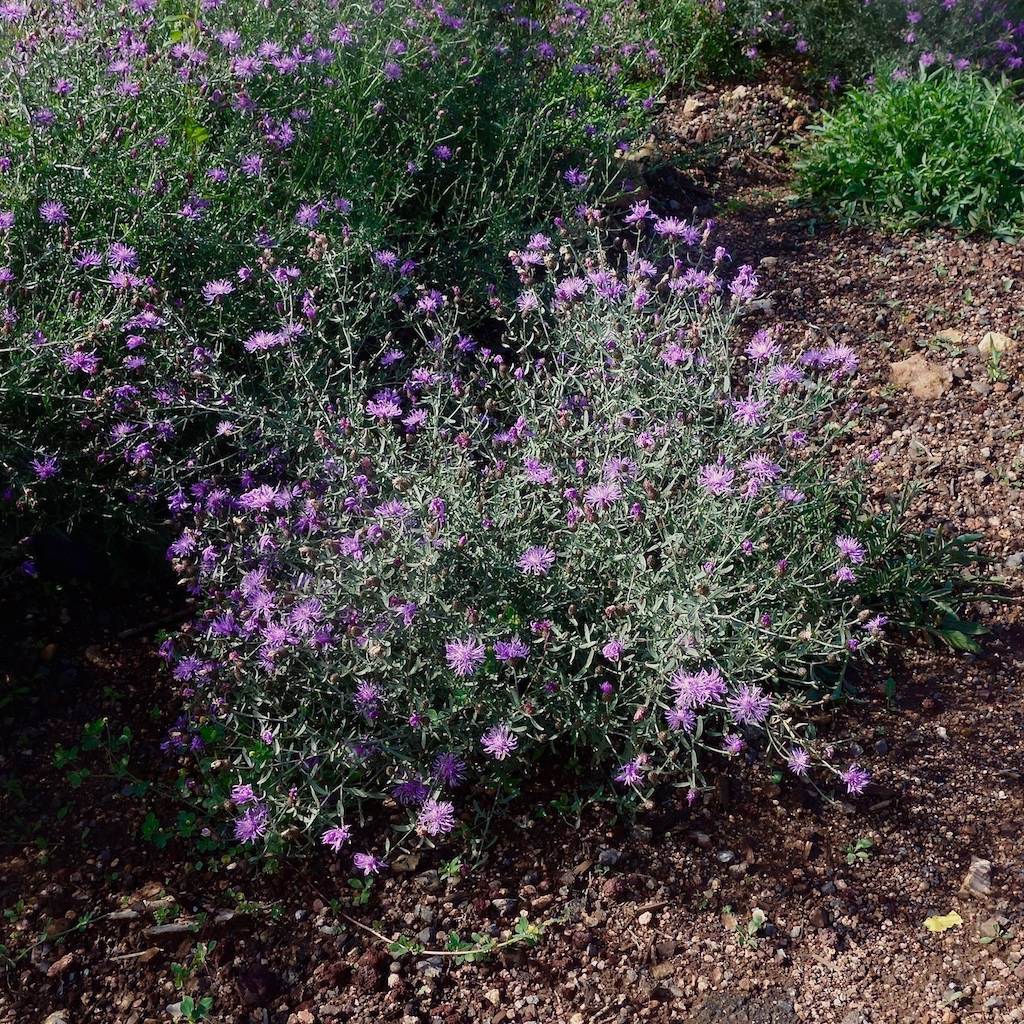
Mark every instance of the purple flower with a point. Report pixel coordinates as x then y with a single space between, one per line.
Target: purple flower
449 769
798 761
576 178
410 791
90 259
436 817
46 467
367 863
82 362
253 824
337 836
122 256
856 779
613 650
499 741
53 212
243 794
716 478
750 705
214 290
744 285
603 495
681 719
851 549
251 165
513 649
366 697
733 744
308 215
762 346
536 561
748 411
632 772
876 624
465 656
385 405
693 689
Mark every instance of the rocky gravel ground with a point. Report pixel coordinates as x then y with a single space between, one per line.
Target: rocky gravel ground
764 904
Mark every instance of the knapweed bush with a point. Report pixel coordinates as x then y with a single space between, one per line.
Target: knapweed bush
939 149
844 40
182 188
612 541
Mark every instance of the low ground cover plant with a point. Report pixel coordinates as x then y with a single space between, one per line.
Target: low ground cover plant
940 148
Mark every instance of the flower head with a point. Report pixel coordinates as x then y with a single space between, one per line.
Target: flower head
465 656
536 561
856 779
337 836
499 741
367 863
749 706
436 817
798 761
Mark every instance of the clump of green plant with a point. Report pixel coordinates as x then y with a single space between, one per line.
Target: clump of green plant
860 851
940 149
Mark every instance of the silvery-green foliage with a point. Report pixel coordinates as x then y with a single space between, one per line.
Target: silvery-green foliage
616 536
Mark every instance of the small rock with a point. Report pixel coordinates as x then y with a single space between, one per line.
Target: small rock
493 996
58 967
922 378
978 881
645 919
609 857
818 917
662 971
881 747
57 1017
995 341
691 108
429 880
406 863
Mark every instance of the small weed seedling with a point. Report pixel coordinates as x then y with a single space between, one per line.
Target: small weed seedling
860 851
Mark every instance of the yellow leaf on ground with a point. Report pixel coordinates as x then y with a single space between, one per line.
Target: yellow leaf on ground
943 922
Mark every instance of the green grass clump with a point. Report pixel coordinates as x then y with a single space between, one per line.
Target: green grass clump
943 149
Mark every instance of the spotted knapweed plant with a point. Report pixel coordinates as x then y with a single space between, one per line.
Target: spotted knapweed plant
182 188
619 534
